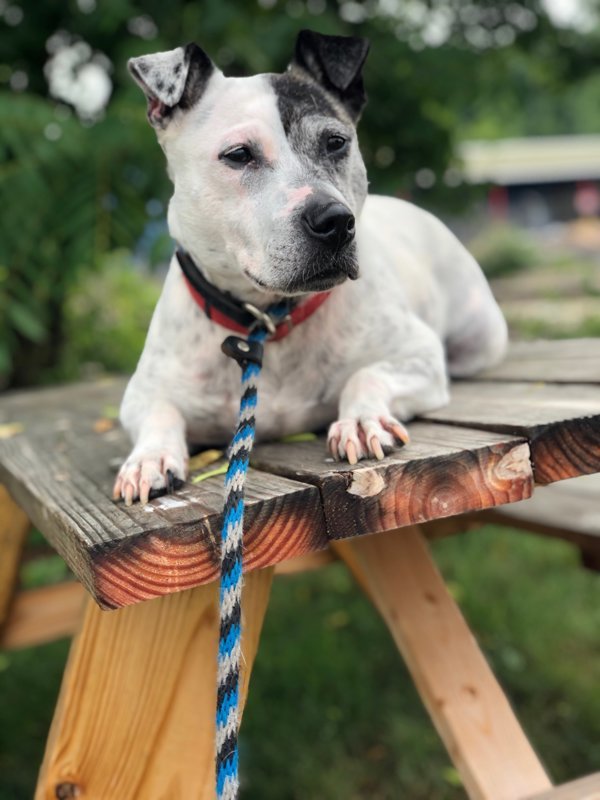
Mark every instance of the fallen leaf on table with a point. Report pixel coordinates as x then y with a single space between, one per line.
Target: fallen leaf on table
203 459
220 470
103 425
298 437
10 429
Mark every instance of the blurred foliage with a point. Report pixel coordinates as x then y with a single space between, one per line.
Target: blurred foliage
329 687
73 191
503 249
106 318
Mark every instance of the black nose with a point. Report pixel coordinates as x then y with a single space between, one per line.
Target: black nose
331 223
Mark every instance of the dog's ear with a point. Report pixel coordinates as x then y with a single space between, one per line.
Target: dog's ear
173 79
335 62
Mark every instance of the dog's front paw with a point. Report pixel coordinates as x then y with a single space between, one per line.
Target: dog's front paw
367 437
147 473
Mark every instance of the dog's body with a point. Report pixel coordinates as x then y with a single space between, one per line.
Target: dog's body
265 199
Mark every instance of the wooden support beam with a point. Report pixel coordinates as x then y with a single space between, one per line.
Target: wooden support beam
307 563
135 716
587 788
466 704
14 527
43 615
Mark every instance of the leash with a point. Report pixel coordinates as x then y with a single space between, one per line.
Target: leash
248 354
275 323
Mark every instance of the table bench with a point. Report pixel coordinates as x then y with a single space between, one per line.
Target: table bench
150 666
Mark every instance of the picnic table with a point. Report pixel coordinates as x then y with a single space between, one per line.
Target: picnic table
135 713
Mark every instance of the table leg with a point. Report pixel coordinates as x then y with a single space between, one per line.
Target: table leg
467 706
135 716
14 527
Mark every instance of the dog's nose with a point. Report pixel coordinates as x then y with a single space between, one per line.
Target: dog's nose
331 223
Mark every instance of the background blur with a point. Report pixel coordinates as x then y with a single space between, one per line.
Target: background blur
460 92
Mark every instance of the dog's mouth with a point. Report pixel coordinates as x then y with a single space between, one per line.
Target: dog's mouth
323 280
319 275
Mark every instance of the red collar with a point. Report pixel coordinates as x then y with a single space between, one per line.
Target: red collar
226 310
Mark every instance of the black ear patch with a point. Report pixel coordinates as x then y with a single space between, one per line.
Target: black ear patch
335 62
173 79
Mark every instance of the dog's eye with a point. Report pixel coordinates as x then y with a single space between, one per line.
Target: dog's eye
238 157
336 143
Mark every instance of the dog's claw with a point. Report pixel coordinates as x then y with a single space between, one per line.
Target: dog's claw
365 437
334 443
144 492
376 448
170 482
128 495
399 431
146 476
351 453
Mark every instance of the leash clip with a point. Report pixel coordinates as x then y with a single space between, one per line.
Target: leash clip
242 351
265 320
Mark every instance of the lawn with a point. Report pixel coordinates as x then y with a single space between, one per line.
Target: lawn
333 714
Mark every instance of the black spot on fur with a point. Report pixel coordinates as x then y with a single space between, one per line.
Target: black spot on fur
336 62
160 85
299 96
177 69
170 88
143 68
199 71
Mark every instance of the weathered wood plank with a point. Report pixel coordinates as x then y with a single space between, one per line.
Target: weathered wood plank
561 422
14 527
67 408
43 615
125 555
135 716
52 612
281 520
466 704
587 788
444 471
569 510
556 361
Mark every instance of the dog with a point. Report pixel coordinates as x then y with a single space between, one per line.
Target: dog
270 204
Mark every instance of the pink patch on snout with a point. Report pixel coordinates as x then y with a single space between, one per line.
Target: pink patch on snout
294 198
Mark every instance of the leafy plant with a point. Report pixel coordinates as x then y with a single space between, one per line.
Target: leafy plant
503 249
69 194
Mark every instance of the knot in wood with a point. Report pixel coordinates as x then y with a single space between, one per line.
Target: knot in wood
66 790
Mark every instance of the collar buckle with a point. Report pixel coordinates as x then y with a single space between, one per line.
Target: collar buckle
262 318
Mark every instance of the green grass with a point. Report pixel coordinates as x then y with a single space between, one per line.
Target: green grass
333 714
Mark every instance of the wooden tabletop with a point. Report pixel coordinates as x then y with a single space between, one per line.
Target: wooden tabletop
533 420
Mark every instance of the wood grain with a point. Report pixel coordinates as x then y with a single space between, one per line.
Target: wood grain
135 717
587 788
14 527
443 472
179 557
466 704
42 615
556 361
125 555
561 422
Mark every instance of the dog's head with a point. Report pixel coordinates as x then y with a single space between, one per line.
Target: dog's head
267 172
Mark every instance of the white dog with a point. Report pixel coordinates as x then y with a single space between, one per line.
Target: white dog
269 181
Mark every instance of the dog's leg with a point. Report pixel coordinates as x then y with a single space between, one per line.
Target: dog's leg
377 399
160 453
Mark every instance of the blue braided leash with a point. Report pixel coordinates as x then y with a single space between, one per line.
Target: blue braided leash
248 353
